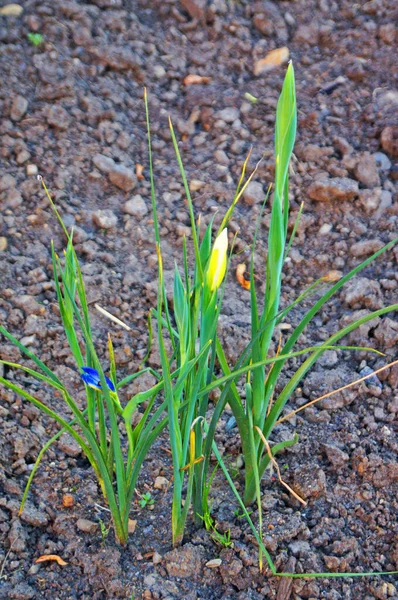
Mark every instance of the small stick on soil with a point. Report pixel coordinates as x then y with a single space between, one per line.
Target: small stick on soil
6 558
294 412
111 317
273 461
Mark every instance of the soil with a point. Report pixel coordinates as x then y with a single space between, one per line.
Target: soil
72 110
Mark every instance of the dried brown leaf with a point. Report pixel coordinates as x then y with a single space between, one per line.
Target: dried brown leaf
275 58
192 79
139 169
51 557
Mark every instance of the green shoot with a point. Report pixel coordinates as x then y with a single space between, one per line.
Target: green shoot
104 531
146 500
35 38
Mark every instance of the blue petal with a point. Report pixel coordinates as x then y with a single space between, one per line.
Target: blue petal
91 381
90 371
91 378
110 384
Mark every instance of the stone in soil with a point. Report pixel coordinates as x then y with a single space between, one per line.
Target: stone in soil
120 175
58 117
161 483
389 141
366 170
105 219
254 193
334 189
19 108
136 207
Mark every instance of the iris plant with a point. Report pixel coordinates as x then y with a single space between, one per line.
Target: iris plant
196 363
116 458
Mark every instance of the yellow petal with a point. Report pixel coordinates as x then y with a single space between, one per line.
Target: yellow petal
218 261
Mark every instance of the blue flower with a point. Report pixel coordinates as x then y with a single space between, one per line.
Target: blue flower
91 378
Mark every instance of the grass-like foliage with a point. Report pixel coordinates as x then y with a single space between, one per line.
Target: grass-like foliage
116 459
193 362
191 326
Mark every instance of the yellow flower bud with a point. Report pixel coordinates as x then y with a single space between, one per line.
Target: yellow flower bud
218 261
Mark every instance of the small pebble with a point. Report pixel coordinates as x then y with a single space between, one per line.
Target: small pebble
372 379
31 170
87 526
104 219
161 483
326 228
214 563
254 193
156 558
19 108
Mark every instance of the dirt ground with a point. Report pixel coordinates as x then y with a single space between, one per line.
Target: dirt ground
75 101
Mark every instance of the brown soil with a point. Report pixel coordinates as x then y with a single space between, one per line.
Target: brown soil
79 95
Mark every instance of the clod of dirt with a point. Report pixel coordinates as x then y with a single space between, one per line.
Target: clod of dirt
363 292
365 248
268 20
34 516
286 585
386 333
231 567
186 561
309 482
318 383
337 457
58 117
123 177
117 58
68 445
22 591
195 8
17 537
